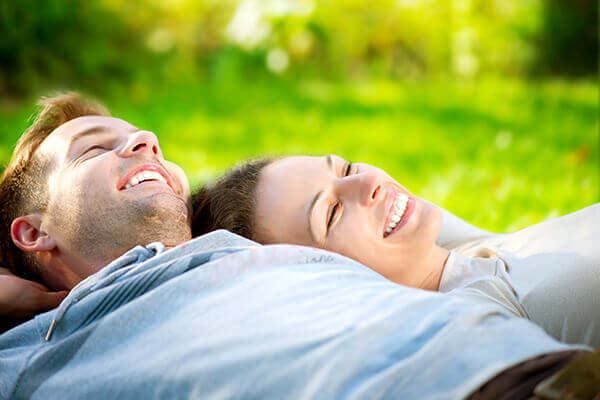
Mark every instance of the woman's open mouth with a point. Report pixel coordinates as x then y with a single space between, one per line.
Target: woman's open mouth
399 213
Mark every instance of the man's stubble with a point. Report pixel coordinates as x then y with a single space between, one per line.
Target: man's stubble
99 233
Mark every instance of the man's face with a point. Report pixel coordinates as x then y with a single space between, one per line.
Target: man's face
111 189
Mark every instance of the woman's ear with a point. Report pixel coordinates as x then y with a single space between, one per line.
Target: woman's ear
27 236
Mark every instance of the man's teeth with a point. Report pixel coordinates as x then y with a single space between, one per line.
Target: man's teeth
145 176
398 212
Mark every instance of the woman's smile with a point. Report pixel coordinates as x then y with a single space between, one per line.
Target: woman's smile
398 214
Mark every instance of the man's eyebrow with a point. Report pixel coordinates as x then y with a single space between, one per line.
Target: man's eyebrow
92 130
329 160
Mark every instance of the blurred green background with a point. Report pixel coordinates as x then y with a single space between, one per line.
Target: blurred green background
486 107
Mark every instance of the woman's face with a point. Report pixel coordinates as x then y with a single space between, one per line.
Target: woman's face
353 209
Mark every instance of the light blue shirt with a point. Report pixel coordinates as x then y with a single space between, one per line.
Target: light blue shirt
220 317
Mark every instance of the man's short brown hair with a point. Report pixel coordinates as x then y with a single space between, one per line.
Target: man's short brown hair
24 184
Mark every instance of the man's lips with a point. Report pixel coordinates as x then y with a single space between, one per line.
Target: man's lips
146 167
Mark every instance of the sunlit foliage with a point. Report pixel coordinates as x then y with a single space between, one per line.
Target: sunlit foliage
488 107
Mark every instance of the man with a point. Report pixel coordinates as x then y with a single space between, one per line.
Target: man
69 188
220 316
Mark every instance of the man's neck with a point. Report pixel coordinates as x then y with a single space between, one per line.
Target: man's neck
62 272
62 269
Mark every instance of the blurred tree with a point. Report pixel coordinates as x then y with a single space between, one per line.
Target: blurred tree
64 43
92 44
568 41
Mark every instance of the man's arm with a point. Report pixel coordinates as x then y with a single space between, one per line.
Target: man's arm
21 299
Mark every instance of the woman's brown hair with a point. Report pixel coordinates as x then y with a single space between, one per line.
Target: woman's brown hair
230 202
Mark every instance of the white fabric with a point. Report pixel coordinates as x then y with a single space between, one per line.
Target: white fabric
552 270
455 230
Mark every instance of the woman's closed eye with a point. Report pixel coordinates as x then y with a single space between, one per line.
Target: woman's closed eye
332 213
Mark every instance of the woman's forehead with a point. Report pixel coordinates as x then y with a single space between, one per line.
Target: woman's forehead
292 182
306 164
285 190
288 179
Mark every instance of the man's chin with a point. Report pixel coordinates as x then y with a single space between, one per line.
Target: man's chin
160 217
169 221
164 203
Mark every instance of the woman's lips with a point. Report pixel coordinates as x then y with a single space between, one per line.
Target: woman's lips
410 206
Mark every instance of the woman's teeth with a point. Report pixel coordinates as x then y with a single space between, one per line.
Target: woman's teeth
398 210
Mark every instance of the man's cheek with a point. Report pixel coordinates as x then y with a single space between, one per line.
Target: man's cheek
180 175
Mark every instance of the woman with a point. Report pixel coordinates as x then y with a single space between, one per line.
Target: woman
549 272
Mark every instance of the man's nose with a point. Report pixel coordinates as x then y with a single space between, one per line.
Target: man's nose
362 187
141 142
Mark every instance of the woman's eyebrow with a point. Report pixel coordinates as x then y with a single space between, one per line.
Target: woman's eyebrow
329 160
310 212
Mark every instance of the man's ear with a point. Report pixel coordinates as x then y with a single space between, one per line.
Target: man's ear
27 236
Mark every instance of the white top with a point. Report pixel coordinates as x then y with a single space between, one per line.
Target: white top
549 273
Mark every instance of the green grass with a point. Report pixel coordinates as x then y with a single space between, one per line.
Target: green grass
500 153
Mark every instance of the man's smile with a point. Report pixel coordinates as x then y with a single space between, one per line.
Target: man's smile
146 173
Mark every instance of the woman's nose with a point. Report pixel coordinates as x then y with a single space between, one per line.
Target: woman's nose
142 142
362 187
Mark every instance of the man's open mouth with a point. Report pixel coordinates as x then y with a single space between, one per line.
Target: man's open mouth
145 173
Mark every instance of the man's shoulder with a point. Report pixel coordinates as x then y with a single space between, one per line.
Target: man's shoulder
218 239
213 247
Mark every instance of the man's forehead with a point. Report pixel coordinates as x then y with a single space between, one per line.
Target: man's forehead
75 127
